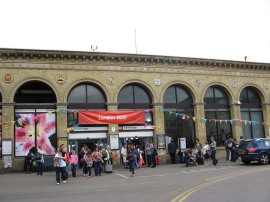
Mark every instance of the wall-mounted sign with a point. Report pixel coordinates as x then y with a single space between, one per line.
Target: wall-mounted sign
161 143
114 141
136 127
6 147
111 117
183 143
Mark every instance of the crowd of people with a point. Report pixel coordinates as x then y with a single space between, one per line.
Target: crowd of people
133 156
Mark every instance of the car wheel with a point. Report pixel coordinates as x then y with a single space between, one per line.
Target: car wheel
246 161
264 159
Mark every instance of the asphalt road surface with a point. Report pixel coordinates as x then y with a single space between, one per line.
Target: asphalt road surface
225 182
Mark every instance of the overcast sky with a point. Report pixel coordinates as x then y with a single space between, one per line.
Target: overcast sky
214 29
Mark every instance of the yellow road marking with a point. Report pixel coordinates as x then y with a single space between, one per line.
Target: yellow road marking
187 193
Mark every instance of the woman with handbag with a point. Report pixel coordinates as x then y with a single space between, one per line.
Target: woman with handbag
60 166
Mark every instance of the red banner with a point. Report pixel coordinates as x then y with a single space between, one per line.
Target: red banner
111 117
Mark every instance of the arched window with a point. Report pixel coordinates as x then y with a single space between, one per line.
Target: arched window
85 96
34 126
177 100
251 114
135 97
217 108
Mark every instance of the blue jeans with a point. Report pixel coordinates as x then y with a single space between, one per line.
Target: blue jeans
73 169
98 168
132 166
39 168
213 157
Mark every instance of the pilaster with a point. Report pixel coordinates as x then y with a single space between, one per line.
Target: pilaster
266 118
200 128
61 119
236 115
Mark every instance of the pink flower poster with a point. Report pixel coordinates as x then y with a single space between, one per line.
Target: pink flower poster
34 130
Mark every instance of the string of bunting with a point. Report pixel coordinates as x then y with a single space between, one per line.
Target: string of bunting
177 116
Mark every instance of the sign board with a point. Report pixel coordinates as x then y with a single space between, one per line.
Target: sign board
114 141
7 147
183 143
111 117
161 143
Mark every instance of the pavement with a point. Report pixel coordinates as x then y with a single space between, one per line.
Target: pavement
149 184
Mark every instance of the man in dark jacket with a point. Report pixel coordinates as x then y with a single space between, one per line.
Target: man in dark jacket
172 151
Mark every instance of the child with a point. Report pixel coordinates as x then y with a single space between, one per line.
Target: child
73 161
89 161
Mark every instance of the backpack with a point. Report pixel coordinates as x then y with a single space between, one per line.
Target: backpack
104 153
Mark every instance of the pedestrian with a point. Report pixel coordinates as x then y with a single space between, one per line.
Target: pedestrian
89 163
124 155
213 146
198 147
172 151
140 159
153 155
148 154
241 140
227 145
233 149
40 160
131 159
110 157
206 150
97 160
73 161
60 166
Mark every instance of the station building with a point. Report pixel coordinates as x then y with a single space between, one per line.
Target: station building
42 94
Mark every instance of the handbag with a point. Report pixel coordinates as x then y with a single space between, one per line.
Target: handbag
56 163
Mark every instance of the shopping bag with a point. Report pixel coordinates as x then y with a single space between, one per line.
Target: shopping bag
157 161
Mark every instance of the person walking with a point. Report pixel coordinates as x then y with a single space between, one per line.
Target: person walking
60 166
124 155
227 145
40 161
148 154
153 155
172 151
73 161
89 163
206 150
213 146
131 159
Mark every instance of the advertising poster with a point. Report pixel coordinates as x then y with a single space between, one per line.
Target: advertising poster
33 130
7 147
161 144
114 141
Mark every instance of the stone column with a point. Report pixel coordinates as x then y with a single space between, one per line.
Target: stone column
61 120
113 130
266 119
236 126
8 131
200 128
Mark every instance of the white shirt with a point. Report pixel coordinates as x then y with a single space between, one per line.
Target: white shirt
62 162
205 148
124 153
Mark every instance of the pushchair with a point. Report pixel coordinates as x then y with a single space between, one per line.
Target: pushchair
190 157
28 163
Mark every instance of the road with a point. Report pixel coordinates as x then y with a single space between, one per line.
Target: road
225 182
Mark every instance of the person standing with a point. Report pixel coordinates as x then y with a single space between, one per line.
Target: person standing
131 159
213 146
97 158
124 155
227 145
60 166
172 151
153 155
40 161
148 154
89 162
73 161
206 151
198 147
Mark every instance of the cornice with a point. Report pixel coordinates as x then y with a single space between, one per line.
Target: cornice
114 59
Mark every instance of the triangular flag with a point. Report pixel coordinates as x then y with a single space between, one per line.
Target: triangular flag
194 119
176 115
215 121
50 113
205 120
160 109
28 120
63 112
188 117
220 121
13 122
254 123
231 121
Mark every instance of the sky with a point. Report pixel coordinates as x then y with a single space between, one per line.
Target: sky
212 29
